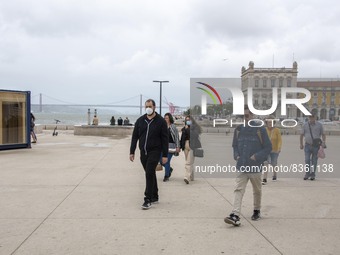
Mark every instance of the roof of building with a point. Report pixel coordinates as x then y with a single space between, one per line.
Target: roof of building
309 84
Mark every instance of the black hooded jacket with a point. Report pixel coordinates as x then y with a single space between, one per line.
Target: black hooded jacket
152 135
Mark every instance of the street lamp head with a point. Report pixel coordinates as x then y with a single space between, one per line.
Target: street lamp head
161 81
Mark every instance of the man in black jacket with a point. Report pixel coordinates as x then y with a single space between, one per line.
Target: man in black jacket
152 132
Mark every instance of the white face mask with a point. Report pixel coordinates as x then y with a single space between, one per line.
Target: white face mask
149 111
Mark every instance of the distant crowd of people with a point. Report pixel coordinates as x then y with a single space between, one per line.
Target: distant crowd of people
120 121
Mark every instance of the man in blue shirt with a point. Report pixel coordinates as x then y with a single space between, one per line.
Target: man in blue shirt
251 146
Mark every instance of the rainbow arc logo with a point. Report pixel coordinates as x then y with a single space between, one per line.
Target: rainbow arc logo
209 90
213 98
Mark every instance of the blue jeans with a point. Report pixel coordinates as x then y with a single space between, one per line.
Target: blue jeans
167 165
311 159
272 158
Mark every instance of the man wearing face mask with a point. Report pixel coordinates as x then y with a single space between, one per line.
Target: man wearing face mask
152 132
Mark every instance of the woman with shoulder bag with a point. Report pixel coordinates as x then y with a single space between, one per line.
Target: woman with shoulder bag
189 142
174 144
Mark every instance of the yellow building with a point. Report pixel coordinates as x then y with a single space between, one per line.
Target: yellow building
325 98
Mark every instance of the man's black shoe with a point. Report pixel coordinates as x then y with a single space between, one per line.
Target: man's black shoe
256 215
232 219
154 201
146 205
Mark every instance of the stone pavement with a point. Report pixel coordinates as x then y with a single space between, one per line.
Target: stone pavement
81 195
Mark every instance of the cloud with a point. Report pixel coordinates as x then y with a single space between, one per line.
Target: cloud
84 51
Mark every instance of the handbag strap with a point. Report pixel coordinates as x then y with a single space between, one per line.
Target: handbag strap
310 130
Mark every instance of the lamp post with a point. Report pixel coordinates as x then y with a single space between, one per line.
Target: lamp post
160 95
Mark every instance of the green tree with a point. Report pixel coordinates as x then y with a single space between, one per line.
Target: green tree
187 112
221 110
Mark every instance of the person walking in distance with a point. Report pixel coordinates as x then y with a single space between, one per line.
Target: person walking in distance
34 137
189 142
151 131
251 147
274 134
312 131
174 144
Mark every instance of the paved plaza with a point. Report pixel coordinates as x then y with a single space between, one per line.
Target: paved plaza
81 195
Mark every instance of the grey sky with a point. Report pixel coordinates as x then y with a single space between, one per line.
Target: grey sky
105 51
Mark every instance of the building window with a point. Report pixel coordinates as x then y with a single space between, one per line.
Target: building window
281 83
315 94
265 83
256 83
324 96
264 102
289 83
272 82
256 102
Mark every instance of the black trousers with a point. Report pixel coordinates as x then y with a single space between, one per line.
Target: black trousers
149 162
